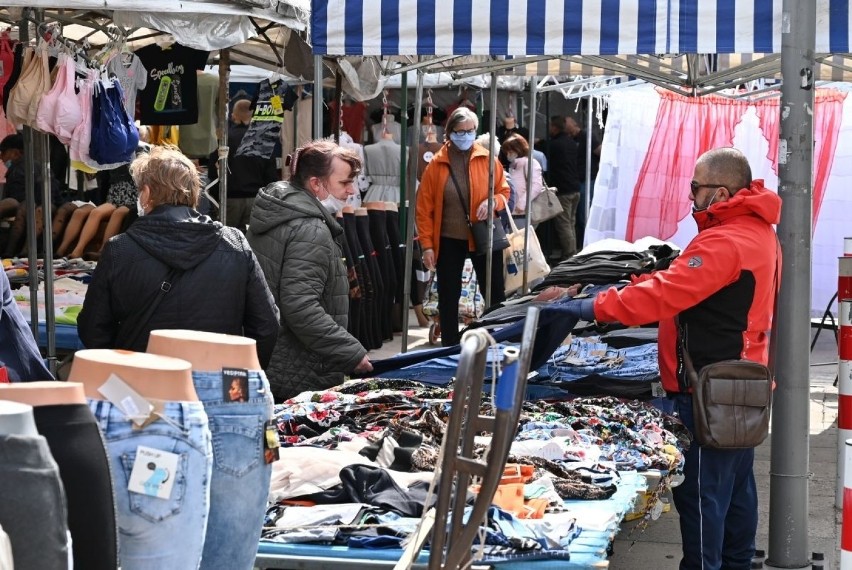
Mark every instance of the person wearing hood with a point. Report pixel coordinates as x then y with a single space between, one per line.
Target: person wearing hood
300 246
722 290
453 189
216 282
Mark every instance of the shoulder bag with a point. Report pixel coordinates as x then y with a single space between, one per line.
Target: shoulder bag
545 206
133 325
480 229
732 399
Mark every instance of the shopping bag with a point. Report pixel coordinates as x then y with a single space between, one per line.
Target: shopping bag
513 259
471 303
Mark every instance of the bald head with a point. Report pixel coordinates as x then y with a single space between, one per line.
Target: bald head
727 167
241 112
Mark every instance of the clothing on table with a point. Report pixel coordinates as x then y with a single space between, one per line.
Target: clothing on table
129 71
170 96
78 448
382 165
298 245
32 504
264 132
149 522
198 139
239 483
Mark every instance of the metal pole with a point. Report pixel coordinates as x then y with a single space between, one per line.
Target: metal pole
29 189
403 134
788 491
47 241
587 188
222 119
317 130
338 99
528 207
492 137
407 206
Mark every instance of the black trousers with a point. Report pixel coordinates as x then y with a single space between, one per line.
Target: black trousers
450 264
372 264
78 448
397 251
364 331
379 235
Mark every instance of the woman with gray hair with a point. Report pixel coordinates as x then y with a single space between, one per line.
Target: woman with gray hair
172 243
454 188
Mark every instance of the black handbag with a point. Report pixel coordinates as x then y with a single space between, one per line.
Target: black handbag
480 229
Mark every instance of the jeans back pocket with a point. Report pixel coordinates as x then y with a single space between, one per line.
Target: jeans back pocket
237 442
154 509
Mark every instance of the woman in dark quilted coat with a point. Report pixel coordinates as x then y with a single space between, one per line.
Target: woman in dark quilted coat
216 282
299 245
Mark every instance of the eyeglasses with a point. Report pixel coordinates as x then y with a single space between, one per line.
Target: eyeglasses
468 132
695 186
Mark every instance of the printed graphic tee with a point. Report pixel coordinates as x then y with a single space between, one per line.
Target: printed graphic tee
128 69
264 131
171 95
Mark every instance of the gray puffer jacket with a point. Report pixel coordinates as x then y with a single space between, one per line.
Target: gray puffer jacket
299 246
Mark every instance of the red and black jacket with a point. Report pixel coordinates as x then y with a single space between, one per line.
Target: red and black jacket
722 287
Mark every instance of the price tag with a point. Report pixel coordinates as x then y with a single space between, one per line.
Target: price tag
131 403
271 443
277 106
154 472
235 385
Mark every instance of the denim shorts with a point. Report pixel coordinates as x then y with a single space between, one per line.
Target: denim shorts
239 484
155 533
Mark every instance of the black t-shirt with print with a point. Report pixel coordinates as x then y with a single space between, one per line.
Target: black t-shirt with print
171 96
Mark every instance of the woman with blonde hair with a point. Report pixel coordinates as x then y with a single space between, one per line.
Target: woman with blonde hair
200 274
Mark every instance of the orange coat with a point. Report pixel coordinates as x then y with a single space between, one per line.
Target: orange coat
430 195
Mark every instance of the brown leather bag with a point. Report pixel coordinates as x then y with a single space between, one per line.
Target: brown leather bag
731 402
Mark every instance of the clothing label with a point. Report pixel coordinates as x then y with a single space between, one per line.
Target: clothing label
235 385
131 403
657 390
276 103
153 472
271 443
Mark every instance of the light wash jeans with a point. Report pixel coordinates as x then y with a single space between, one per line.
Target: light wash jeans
154 533
240 481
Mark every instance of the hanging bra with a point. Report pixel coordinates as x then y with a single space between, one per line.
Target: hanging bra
59 112
79 147
114 136
18 104
40 85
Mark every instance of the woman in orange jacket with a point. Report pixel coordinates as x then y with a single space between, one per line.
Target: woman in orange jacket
460 166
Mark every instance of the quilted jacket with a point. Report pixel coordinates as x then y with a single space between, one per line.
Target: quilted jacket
300 248
219 286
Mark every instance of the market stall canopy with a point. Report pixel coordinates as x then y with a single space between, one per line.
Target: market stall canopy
259 32
684 45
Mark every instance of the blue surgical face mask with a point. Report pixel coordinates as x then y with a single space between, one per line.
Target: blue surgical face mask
463 141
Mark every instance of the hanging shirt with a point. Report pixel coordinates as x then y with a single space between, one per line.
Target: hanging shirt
264 131
128 69
199 140
352 118
171 94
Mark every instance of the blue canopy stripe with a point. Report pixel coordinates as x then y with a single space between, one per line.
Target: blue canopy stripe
563 27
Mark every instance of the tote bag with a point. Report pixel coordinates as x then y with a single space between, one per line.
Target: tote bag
513 259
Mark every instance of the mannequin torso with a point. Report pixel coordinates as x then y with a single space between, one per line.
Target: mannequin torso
205 351
46 393
153 376
17 419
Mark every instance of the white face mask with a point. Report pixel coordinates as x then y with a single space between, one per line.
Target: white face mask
332 203
140 211
511 156
710 203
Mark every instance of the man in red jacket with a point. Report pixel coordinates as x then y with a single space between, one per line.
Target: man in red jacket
722 288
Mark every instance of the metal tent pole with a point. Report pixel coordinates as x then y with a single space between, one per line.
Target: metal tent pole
492 137
788 491
222 119
47 241
317 130
587 188
528 208
407 206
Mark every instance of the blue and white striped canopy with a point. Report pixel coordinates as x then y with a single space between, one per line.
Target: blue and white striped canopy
563 27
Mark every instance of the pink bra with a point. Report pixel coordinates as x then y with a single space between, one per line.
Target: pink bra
59 111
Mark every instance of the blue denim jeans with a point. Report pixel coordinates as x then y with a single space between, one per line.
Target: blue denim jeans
239 483
155 533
